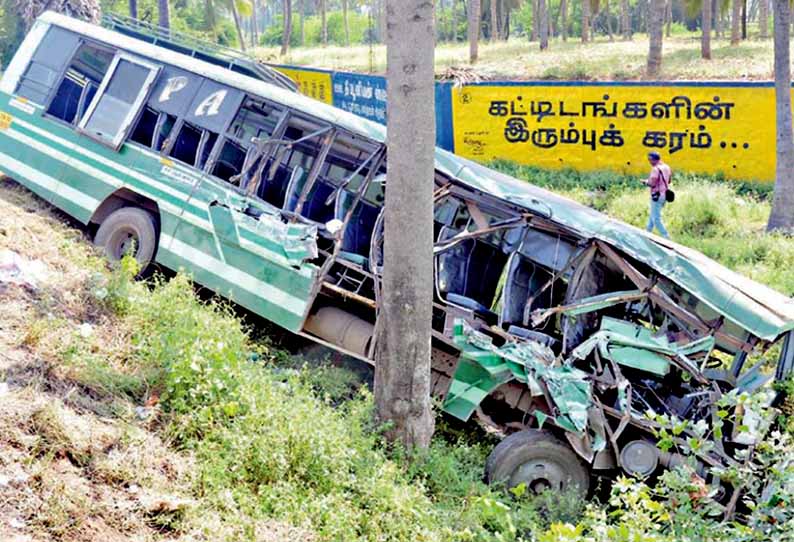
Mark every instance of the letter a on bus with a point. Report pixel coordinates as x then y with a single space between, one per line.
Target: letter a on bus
211 104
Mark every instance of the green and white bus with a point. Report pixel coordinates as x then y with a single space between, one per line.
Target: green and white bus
553 324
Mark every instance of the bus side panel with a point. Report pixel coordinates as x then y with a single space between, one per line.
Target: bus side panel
256 277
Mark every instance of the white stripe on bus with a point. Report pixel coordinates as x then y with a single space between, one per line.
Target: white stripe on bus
102 176
14 166
226 272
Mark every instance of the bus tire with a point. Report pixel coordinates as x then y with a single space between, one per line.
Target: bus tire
125 227
540 461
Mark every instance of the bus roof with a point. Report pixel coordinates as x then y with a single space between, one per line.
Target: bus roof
760 310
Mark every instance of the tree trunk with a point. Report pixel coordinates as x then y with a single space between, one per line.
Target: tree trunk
164 15
736 16
303 23
585 20
254 30
782 216
347 22
608 16
402 368
494 25
505 21
287 27
744 19
655 32
454 18
564 17
323 23
717 17
705 38
474 30
535 26
625 19
134 9
543 23
237 25
668 16
763 19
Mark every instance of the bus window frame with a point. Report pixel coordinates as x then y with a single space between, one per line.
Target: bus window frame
135 108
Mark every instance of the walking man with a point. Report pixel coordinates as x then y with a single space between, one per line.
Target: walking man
658 182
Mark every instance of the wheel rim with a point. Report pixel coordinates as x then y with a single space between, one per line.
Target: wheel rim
124 241
542 474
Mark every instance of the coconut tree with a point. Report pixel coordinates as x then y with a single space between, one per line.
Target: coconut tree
705 38
321 5
655 31
625 20
782 216
763 19
287 13
736 17
585 21
164 14
563 13
346 21
543 21
402 368
494 20
134 9
474 30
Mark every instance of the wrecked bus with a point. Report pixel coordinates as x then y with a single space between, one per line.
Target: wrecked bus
555 326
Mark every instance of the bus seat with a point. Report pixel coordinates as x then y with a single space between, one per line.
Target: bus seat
274 190
359 230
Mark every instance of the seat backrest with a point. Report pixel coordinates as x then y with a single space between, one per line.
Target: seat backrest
359 231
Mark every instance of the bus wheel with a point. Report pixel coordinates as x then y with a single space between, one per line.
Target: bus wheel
540 461
128 230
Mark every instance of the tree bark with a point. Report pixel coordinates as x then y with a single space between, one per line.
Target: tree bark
736 16
668 16
705 38
323 23
608 16
744 19
347 23
164 15
782 216
474 30
402 368
287 27
134 9
535 23
494 24
564 18
237 24
254 30
454 17
717 17
585 21
543 22
303 23
655 32
763 19
625 19
505 21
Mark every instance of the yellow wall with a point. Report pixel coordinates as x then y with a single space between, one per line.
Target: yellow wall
705 129
314 84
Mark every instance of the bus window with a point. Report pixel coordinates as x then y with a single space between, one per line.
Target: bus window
111 112
52 55
80 83
193 146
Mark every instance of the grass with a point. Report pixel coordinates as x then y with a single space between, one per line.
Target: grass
518 59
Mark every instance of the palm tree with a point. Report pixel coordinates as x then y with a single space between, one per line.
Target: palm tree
163 14
782 216
287 11
347 22
543 21
705 38
494 21
402 370
736 15
474 30
303 22
564 22
239 8
323 22
763 19
625 19
655 31
134 9
585 20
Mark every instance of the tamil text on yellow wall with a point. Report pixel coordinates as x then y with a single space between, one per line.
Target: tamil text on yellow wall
315 84
702 129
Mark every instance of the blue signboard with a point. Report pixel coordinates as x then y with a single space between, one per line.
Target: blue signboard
364 95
